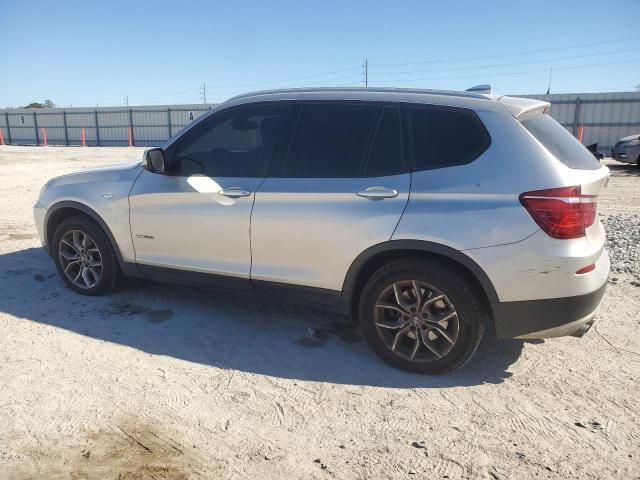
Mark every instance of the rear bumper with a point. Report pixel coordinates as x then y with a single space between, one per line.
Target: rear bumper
547 318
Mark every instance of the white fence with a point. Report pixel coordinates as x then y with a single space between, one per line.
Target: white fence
601 118
107 126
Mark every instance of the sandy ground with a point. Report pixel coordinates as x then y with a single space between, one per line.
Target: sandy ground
162 382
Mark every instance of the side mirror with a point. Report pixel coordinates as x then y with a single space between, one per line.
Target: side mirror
154 160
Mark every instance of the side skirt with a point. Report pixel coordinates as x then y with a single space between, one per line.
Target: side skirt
326 300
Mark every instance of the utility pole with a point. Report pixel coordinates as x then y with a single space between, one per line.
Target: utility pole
126 100
550 75
365 72
203 92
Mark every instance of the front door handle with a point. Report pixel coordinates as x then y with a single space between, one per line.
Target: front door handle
377 193
234 192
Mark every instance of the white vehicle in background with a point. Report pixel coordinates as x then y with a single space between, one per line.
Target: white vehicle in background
427 216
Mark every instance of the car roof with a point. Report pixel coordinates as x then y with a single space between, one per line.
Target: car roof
406 95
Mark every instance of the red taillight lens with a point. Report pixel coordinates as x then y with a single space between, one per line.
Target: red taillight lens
561 212
587 269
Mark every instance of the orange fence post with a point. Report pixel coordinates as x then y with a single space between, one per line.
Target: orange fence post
130 137
580 133
44 136
1 137
84 138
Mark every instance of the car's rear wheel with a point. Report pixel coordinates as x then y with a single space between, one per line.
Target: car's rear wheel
84 257
422 315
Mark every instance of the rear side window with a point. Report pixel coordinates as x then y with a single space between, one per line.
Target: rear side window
560 142
446 137
330 140
385 156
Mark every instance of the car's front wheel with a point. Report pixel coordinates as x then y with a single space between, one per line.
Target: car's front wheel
84 256
422 315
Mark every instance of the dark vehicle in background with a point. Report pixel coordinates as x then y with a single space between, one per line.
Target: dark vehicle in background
627 149
593 148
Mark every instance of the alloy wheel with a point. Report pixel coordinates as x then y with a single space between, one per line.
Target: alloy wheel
80 259
416 321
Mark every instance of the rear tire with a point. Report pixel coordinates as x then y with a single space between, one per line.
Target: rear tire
422 315
84 256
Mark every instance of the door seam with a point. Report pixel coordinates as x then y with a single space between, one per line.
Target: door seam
405 206
253 204
133 243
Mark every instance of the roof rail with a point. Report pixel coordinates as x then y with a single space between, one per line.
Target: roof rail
453 93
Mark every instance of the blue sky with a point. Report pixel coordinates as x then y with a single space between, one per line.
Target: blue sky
97 52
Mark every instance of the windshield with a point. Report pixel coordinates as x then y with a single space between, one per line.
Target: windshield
560 142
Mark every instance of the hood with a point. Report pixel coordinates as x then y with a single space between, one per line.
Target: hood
630 137
110 173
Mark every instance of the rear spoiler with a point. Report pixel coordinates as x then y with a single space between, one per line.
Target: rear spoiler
521 107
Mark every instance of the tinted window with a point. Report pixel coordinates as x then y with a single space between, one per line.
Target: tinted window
385 157
560 143
443 137
230 144
330 140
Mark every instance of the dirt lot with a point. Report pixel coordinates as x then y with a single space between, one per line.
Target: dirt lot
161 382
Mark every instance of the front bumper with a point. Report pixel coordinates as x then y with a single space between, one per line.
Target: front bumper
38 216
547 318
628 154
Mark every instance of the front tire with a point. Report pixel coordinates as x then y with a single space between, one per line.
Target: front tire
422 315
84 256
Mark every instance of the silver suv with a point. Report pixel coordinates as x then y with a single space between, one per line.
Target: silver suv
427 216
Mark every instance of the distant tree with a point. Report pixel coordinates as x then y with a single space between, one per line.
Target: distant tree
35 105
46 104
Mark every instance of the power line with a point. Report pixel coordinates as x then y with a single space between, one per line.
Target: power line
526 52
504 74
510 64
294 79
275 82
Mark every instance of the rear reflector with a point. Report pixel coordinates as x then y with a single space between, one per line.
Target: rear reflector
562 213
587 269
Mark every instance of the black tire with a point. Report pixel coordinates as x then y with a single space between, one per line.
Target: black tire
461 296
110 269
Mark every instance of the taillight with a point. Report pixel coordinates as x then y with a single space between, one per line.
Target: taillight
587 269
561 212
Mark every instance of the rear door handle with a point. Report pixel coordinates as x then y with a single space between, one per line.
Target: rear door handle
377 193
234 192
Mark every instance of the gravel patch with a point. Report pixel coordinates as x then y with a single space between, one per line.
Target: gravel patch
623 243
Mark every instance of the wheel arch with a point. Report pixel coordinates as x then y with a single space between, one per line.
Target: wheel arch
376 256
60 211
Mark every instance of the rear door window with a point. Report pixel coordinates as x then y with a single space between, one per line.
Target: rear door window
330 140
562 145
386 156
444 136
